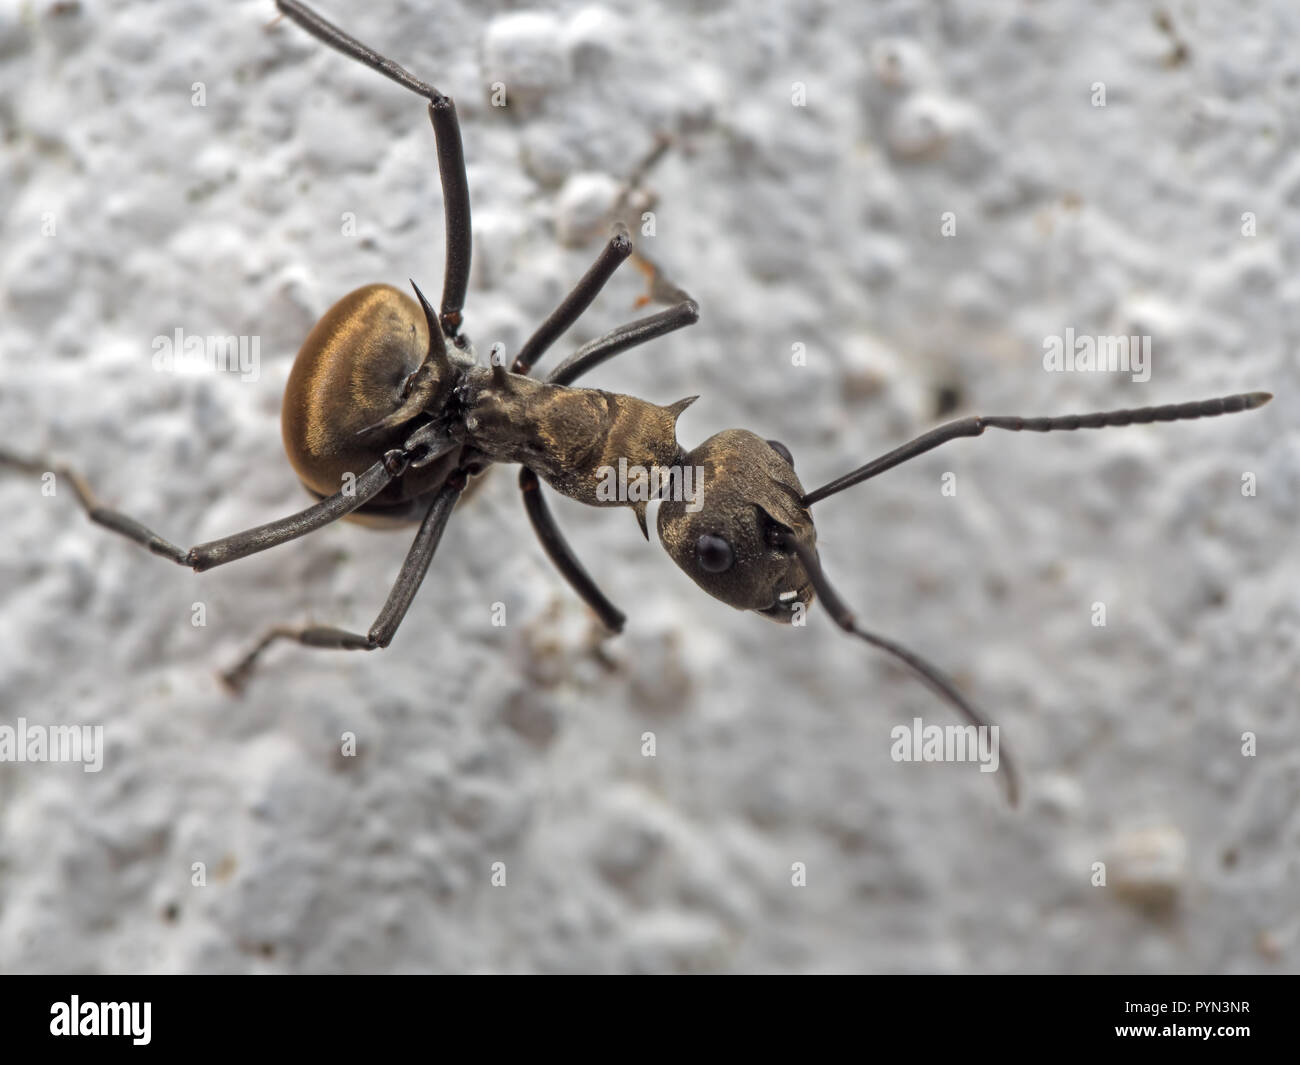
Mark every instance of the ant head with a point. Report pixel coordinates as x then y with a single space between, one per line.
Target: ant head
729 536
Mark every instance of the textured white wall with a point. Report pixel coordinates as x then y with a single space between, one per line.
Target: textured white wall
817 225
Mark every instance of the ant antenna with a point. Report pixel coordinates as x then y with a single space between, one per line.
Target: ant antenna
934 680
975 426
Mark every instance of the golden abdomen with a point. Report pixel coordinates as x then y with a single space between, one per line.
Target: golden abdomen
348 375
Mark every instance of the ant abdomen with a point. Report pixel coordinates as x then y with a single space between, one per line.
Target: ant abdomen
350 374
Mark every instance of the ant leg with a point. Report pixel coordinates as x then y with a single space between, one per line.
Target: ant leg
455 201
390 617
451 154
238 545
633 180
659 289
561 554
975 426
577 301
110 519
618 249
616 341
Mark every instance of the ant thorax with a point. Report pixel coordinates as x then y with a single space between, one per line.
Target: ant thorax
575 439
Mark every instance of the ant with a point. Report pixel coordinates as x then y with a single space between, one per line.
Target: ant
385 385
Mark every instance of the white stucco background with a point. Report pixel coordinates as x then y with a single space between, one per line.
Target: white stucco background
817 225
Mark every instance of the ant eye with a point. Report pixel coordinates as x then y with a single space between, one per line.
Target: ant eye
782 450
713 553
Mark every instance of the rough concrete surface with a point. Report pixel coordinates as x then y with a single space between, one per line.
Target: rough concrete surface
945 191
